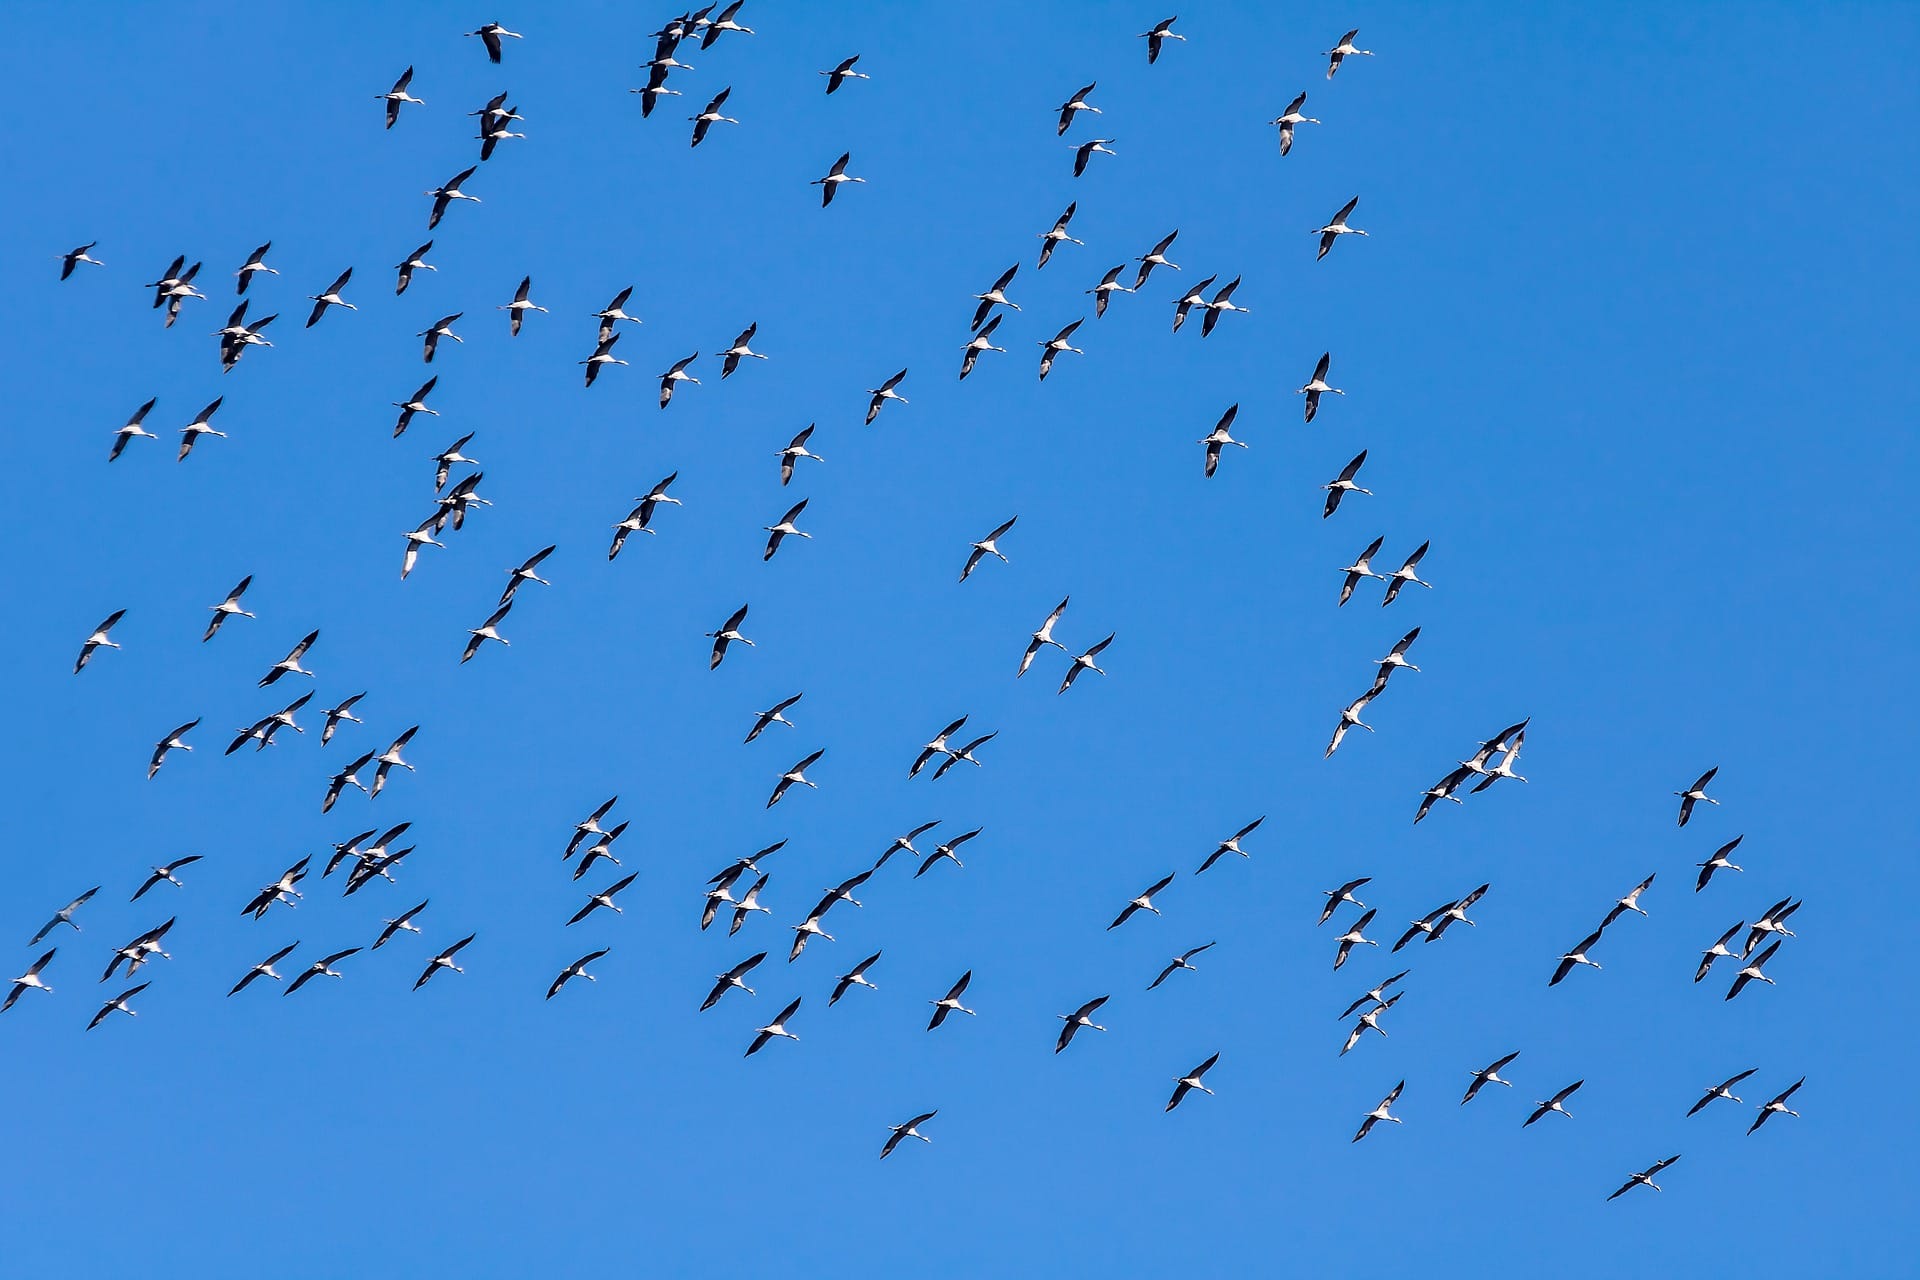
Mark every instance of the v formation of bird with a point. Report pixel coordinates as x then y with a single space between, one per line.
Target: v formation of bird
738 888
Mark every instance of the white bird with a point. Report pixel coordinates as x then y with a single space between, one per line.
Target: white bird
1195 296
677 374
98 638
601 357
1751 972
773 715
1553 1104
1074 106
1631 902
739 351
950 1003
1182 1085
1369 1020
1057 235
442 328
784 529
1231 844
1355 936
604 898
1221 303
1644 1178
1054 346
1350 719
1487 1075
855 977
1219 438
904 843
725 22
612 313
986 547
74 257
174 741
486 631
165 873
946 851
796 776
491 35
711 116
1407 572
751 903
1155 257
1336 898
1084 662
1577 956
1343 50
290 665
347 777
330 298
445 960
1722 1090
519 307
1042 638
1696 793
734 977
1381 1112
322 968
796 449
31 978
200 426
446 193
526 573
390 759
1289 118
335 714
416 539
996 296
843 73
1317 385
414 404
1081 1017
281 890
1773 921
728 633
1343 484
133 429
1718 951
63 916
415 261
264 969
1395 659
1774 1106
1336 228
578 969
1718 862
1086 150
1162 31
1109 285
899 1132
397 95
402 923
835 176
1144 902
778 1027
980 343
883 393
1180 961
1360 568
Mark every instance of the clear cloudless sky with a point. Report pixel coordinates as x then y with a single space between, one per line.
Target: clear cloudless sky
1631 343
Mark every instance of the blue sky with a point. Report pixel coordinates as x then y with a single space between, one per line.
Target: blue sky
1629 343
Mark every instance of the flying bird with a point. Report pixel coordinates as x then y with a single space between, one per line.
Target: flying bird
677 374
1341 485
1336 228
1161 32
1220 304
1696 793
1179 962
1644 1178
1355 936
964 753
840 75
1056 236
322 968
1774 1106
987 547
397 95
330 298
728 633
604 898
415 404
174 741
1074 106
290 665
335 714
1317 385
1344 894
1343 50
711 116
74 257
904 844
733 355
796 449
1109 285
1718 862
29 979
63 916
796 776
946 851
445 960
488 630
855 977
996 296
578 969
1196 296
978 345
734 977
1289 118
415 261
1381 1112
402 923
1081 1017
1631 902
1487 1075
1719 951
1231 844
950 1003
1083 662
835 177
441 328
446 193
883 393
778 1027
1774 920
491 35
264 969
200 426
896 1133
1042 638
1144 902
1553 1104
1751 972
1577 956
784 528
1182 1085
1087 150
1722 1090
526 572
165 873
773 715
281 890
133 429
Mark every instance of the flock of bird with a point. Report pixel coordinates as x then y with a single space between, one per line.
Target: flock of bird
377 853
